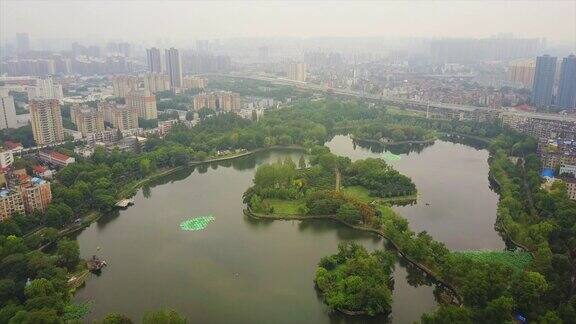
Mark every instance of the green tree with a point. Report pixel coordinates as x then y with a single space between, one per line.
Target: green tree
39 288
7 290
165 316
349 214
115 318
68 253
448 314
527 289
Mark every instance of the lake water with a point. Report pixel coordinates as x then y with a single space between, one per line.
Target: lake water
247 271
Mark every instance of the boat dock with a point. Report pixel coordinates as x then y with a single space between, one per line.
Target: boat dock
124 203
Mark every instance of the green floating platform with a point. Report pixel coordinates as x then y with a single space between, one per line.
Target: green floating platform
391 156
196 223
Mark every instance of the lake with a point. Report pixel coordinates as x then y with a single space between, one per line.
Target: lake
253 271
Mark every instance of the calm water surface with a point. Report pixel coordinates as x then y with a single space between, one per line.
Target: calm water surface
455 203
246 271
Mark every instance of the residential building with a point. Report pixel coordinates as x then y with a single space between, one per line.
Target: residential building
521 72
205 100
125 118
46 121
10 203
567 85
154 60
568 168
221 100
45 88
124 84
107 107
6 158
25 196
56 158
194 82
155 82
87 120
103 136
36 195
543 81
174 68
144 103
13 146
296 71
228 101
570 187
7 110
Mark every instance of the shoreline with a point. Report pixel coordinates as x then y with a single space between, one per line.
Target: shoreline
128 192
249 213
373 141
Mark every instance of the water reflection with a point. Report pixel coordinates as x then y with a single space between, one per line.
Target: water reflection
392 148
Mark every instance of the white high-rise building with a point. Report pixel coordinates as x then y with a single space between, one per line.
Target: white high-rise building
174 68
296 71
45 89
7 110
154 82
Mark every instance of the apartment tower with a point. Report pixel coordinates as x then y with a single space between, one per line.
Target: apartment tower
46 121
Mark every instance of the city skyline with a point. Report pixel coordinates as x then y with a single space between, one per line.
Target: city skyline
189 20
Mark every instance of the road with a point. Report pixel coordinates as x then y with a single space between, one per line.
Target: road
422 105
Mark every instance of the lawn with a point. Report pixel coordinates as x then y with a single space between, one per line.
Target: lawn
289 207
516 259
359 193
363 194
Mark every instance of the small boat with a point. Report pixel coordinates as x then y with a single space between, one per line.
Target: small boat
427 204
124 203
95 264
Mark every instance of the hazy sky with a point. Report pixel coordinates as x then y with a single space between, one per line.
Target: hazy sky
186 20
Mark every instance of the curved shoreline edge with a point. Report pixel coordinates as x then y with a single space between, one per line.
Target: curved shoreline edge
365 140
130 191
249 213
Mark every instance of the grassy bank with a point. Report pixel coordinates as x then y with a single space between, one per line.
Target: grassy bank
518 260
363 194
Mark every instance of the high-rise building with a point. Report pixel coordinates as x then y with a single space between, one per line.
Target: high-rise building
543 81
124 84
7 110
154 60
46 121
567 86
222 101
124 117
521 72
297 71
155 82
204 100
22 43
45 89
36 195
193 82
174 68
24 194
6 158
88 120
10 203
228 101
144 103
